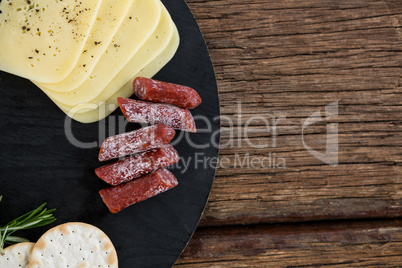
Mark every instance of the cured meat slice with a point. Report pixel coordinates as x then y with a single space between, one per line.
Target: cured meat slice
137 165
157 91
156 113
136 141
120 197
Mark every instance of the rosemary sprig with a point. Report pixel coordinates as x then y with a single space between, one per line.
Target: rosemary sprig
35 218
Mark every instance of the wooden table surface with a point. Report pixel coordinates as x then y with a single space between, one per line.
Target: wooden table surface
311 142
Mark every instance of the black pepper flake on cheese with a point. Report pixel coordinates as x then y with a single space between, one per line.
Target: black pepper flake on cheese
30 58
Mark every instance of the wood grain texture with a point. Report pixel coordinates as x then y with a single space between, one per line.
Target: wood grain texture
351 244
279 63
285 61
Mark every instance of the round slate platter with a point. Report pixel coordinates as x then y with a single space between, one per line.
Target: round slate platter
39 164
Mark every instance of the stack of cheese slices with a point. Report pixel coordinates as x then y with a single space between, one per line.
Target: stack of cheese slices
85 54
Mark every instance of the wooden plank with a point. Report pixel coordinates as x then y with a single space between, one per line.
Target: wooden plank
286 61
350 244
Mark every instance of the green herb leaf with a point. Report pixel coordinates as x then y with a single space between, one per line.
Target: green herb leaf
33 219
16 239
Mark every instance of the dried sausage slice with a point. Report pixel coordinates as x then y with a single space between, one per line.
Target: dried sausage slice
137 165
156 113
157 91
136 141
119 197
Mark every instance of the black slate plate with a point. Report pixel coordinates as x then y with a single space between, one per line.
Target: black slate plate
38 163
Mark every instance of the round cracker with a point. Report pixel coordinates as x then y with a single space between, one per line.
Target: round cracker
17 255
74 245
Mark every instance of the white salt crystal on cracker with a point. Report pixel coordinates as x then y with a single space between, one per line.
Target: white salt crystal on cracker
17 255
74 245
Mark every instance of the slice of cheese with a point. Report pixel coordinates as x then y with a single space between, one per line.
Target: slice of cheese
152 49
43 39
138 25
110 16
105 104
95 112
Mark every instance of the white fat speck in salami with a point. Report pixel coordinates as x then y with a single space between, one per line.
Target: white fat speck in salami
137 165
156 113
136 141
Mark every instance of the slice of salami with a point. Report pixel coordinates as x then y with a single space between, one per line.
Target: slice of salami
137 165
136 141
157 91
120 197
156 113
